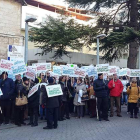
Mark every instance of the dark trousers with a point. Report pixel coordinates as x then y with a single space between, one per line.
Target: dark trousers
71 105
12 113
80 110
19 115
33 115
102 105
133 108
65 109
52 117
6 106
92 107
118 105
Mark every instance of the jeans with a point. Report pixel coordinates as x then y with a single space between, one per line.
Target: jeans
124 98
34 115
41 112
80 112
133 108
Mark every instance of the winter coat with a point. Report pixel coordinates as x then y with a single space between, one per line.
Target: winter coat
33 101
79 87
65 95
100 88
51 102
117 90
7 86
133 93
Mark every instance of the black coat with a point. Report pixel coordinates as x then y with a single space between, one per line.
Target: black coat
51 102
100 88
33 101
65 95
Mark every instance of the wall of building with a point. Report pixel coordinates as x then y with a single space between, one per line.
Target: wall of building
10 25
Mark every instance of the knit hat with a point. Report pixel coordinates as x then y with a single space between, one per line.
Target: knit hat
99 74
134 80
50 80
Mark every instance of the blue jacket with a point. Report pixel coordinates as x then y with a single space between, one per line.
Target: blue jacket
100 88
8 88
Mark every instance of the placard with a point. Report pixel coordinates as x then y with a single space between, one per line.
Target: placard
19 69
54 90
57 70
67 71
102 68
33 90
6 65
43 67
135 73
30 73
80 72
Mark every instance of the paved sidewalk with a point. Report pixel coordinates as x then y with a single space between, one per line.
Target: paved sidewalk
123 128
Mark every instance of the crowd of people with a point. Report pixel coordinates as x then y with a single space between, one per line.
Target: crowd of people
81 96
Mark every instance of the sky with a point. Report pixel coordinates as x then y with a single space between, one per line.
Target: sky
55 2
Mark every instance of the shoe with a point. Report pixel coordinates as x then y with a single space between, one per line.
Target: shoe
136 117
91 116
131 116
18 124
63 119
23 123
47 127
100 119
106 119
111 115
119 115
68 118
34 125
30 124
6 123
60 120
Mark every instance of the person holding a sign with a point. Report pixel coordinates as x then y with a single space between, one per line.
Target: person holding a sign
101 92
7 88
52 105
116 89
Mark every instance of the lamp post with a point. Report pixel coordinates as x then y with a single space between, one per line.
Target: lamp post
27 20
98 37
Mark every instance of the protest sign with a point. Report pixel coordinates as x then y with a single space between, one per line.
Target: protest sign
91 70
112 70
43 67
80 72
72 66
57 70
33 68
124 72
102 68
19 69
1 92
6 65
67 71
30 73
135 73
11 75
54 90
33 90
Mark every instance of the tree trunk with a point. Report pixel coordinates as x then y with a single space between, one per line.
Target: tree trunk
133 46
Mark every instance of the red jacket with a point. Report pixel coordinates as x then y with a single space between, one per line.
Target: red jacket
117 90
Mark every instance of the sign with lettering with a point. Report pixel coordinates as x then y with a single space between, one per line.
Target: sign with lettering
19 69
135 73
54 90
43 67
33 90
6 65
112 69
80 72
67 71
57 70
30 73
102 68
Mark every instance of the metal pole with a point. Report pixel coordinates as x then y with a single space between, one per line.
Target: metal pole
26 43
97 50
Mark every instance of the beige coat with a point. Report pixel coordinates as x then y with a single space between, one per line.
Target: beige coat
79 87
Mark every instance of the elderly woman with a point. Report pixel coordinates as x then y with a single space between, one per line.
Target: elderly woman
133 96
80 89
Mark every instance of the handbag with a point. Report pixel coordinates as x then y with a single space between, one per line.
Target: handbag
84 97
20 101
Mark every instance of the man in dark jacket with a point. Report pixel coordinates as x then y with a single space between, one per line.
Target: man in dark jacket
52 105
7 87
33 104
101 92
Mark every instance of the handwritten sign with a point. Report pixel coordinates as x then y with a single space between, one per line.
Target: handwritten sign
80 72
112 69
67 70
102 68
43 67
54 90
19 69
33 90
57 70
30 73
135 73
6 65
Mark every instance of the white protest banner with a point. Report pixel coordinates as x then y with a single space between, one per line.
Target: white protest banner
6 65
33 68
43 84
1 92
18 62
135 73
80 72
91 70
33 90
11 75
57 70
30 73
112 70
124 72
72 66
102 68
15 53
67 71
43 67
19 69
54 90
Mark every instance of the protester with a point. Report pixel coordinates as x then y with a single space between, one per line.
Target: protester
20 91
116 89
124 94
101 92
33 105
133 91
52 105
80 90
7 87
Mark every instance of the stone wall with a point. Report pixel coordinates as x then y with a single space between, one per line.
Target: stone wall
10 25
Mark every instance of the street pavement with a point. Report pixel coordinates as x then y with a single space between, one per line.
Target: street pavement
124 128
